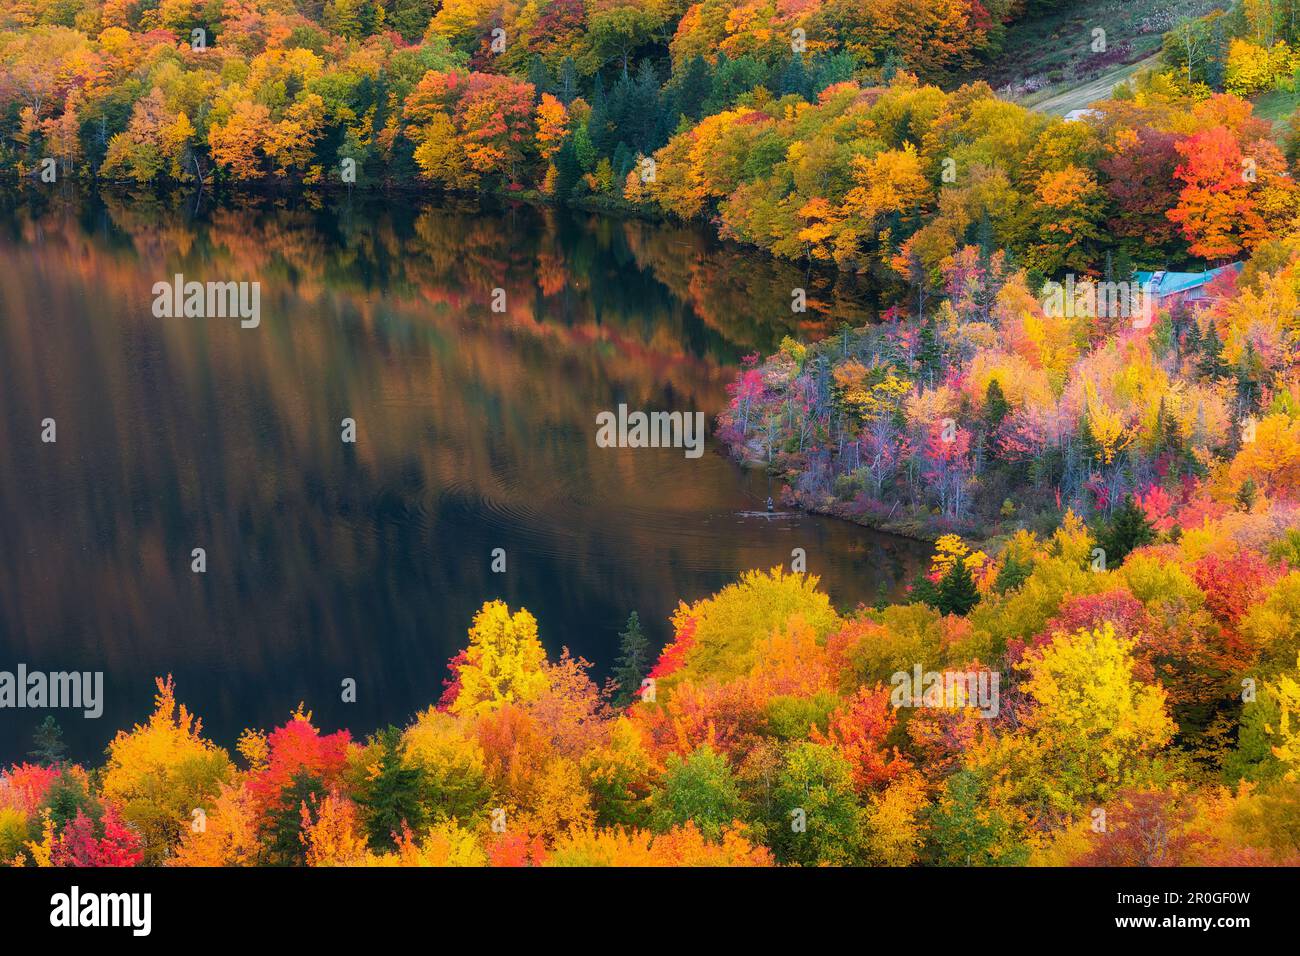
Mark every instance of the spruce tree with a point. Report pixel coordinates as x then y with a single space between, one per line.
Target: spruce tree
1089 449
49 749
928 353
1127 529
1192 337
633 661
568 90
996 405
539 76
794 79
957 591
390 797
1211 363
692 88
996 408
567 168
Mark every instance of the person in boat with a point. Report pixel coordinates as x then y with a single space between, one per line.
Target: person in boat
770 506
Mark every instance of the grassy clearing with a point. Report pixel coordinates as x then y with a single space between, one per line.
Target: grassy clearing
1278 106
1047 58
1060 100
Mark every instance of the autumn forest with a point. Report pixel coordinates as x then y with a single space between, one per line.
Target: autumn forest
1060 349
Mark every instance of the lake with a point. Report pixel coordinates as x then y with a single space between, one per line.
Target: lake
475 430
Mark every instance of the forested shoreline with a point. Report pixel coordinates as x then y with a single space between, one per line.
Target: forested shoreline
1101 664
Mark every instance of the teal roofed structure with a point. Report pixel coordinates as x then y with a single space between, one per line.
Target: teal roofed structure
1172 288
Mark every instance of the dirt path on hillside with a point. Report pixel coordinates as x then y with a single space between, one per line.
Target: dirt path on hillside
1061 101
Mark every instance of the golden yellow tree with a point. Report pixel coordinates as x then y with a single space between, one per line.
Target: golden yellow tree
163 770
1287 729
503 662
1093 727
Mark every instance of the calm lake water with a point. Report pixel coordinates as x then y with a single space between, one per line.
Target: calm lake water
475 431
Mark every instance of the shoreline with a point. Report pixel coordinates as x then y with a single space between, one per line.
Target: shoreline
843 511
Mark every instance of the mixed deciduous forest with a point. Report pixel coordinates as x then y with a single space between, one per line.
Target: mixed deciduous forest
772 735
1113 497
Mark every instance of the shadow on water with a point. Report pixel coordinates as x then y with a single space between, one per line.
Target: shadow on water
475 431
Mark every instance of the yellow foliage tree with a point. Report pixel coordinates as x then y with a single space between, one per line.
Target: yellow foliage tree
1269 456
504 661
1287 730
331 833
163 770
224 835
1093 728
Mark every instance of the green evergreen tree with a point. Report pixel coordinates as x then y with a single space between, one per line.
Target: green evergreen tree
583 148
1127 529
49 749
957 592
633 661
984 237
1088 446
996 408
567 169
390 799
1211 362
66 797
996 405
1247 494
794 78
283 830
1192 337
929 355
1013 573
568 87
539 76
1247 374
691 88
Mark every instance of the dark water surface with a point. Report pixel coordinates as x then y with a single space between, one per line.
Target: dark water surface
476 431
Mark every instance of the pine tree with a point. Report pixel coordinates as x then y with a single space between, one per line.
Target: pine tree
1246 377
692 88
568 81
1247 494
928 354
1211 363
567 169
624 161
996 405
633 661
1127 529
1192 337
984 238
642 110
390 798
996 408
1088 446
539 76
957 591
583 148
283 824
794 78
831 68
49 749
